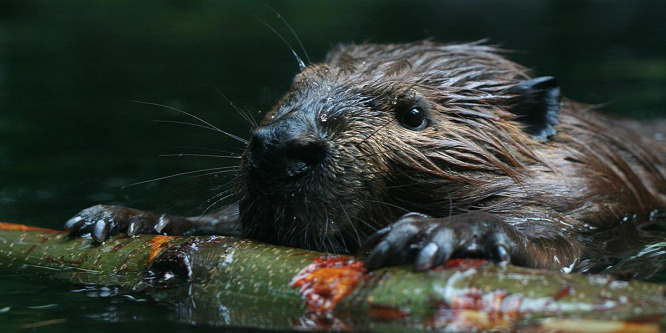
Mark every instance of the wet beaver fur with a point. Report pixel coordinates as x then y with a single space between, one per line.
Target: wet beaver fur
421 152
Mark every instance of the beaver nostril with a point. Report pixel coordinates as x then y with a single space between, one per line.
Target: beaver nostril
282 152
302 154
294 168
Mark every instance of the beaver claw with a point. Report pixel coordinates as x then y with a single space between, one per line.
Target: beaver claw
430 242
102 221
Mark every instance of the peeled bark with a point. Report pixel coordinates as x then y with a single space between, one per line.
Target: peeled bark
217 280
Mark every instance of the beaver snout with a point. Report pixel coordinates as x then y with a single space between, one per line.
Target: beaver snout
289 148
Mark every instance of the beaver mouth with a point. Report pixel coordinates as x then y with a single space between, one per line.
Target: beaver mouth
319 210
295 221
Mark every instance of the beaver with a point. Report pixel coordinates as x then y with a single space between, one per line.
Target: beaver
421 152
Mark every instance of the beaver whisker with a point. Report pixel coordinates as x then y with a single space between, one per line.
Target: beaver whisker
226 169
333 243
375 132
304 236
217 173
184 123
218 200
200 155
208 125
246 114
243 210
325 238
221 190
293 33
364 222
327 221
231 154
341 240
210 210
290 232
350 222
301 64
389 205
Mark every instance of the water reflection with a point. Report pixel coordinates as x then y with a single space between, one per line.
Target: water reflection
645 263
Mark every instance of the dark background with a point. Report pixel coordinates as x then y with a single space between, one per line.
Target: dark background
70 135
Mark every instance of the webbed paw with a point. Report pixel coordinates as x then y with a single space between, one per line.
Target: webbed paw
428 242
102 222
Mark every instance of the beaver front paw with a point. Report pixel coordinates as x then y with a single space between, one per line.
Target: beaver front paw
429 242
103 221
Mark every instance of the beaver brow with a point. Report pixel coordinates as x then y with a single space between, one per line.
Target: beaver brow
415 83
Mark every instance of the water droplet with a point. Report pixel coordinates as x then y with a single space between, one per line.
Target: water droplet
323 117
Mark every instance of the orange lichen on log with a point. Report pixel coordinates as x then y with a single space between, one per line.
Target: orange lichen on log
21 227
328 280
464 263
157 244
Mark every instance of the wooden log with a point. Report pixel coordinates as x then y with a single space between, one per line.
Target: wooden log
226 281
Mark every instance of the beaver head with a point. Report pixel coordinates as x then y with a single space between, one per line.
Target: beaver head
380 130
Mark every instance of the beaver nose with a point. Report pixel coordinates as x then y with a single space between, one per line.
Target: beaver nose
286 150
302 154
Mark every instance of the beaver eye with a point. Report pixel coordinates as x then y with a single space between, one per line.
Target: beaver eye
414 118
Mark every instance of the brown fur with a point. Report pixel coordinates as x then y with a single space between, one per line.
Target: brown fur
561 195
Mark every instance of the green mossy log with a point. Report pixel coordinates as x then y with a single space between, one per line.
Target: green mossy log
235 282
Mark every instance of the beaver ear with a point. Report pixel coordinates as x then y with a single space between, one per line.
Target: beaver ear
537 105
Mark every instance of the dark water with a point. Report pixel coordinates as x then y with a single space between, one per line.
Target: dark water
71 135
